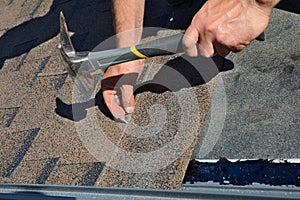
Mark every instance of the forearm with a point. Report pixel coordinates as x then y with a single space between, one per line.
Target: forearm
128 20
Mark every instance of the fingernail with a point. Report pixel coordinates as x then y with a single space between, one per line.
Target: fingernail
129 110
121 118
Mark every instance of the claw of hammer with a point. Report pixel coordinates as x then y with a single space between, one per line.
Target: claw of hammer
73 60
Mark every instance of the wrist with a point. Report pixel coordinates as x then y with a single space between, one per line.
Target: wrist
129 38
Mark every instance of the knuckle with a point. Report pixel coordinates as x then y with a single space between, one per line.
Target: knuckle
235 46
210 28
222 39
238 48
210 54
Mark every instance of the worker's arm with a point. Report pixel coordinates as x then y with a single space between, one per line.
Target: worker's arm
221 26
128 16
119 79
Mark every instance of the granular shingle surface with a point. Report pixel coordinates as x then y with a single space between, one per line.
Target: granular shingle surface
49 135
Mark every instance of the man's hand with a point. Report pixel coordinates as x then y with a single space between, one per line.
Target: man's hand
117 86
118 81
221 26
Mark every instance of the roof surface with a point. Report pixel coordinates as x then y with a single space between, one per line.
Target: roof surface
41 142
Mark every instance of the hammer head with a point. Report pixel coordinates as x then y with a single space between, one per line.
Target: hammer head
74 61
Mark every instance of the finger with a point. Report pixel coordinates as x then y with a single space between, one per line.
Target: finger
237 48
194 45
127 99
206 48
113 104
189 41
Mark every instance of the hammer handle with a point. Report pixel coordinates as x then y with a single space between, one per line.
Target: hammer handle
162 46
159 47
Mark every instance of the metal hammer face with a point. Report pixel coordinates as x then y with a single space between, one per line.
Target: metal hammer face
73 60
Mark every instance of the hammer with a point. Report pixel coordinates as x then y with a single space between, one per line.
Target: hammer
73 61
82 77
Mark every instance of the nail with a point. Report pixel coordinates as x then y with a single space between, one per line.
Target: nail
129 110
121 118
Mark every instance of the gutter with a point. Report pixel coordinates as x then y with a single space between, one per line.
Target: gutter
207 191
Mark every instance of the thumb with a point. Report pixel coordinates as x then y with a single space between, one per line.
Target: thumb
127 99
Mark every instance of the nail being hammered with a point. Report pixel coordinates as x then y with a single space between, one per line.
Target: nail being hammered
121 118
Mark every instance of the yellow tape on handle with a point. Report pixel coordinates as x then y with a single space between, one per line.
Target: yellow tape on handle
136 52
